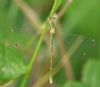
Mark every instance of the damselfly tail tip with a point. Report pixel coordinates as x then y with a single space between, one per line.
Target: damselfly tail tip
51 80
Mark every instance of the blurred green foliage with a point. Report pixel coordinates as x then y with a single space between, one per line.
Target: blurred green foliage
91 77
81 18
11 64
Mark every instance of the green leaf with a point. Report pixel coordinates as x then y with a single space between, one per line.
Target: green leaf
73 84
91 74
83 16
11 64
60 77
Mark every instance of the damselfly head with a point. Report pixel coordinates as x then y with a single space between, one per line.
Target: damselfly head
52 30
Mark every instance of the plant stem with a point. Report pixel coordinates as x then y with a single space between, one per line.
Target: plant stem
33 59
53 10
55 7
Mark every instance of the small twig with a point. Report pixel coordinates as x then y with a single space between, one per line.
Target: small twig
30 14
65 61
67 56
67 66
8 84
64 8
33 58
57 68
44 79
38 46
78 41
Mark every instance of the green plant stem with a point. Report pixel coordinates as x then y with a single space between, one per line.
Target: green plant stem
55 7
53 10
33 59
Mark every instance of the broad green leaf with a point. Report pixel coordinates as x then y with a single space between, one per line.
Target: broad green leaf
60 77
83 16
91 74
11 64
73 84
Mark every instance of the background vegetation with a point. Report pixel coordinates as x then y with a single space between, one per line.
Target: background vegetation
25 63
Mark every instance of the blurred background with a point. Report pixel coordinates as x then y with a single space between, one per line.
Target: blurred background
77 39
